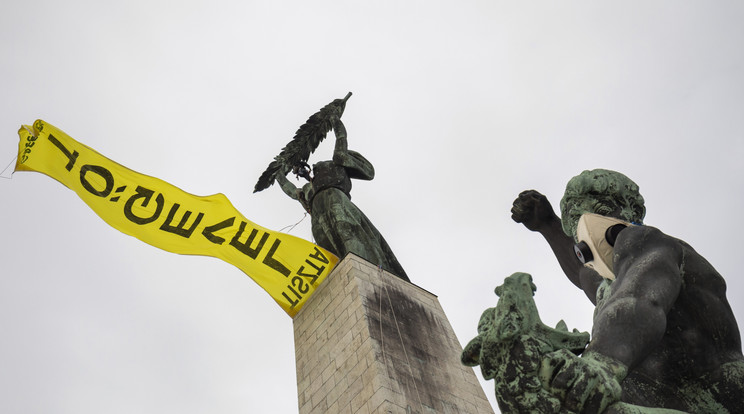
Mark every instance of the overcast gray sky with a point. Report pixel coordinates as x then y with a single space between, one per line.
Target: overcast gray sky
459 105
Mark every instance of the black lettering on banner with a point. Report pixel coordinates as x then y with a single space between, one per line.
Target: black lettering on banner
71 156
300 284
29 145
103 173
246 248
292 302
303 285
208 231
118 190
313 277
319 256
179 229
273 263
145 194
319 269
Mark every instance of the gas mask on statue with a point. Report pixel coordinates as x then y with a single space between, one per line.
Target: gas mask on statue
596 237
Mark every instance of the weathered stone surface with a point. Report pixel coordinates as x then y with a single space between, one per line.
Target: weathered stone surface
388 344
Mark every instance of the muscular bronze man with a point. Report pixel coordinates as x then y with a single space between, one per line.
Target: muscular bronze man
664 334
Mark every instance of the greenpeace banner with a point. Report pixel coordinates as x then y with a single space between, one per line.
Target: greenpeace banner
158 213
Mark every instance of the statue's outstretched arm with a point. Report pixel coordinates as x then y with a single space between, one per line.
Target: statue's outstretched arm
534 211
288 188
357 166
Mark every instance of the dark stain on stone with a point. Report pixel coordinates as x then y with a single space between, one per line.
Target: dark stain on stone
414 345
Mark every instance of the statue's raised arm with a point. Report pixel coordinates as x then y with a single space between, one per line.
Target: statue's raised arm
534 211
289 189
356 165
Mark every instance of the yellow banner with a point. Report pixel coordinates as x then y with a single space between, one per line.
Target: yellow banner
158 213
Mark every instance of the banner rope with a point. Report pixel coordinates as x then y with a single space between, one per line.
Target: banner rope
382 340
400 337
8 166
292 226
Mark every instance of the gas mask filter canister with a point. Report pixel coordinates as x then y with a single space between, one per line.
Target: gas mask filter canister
596 237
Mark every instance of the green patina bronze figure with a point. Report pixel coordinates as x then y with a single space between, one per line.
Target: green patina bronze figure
664 334
517 350
337 224
510 345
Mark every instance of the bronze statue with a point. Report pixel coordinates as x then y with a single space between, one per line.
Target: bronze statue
337 224
510 345
663 331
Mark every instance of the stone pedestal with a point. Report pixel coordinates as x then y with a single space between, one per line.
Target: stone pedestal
369 342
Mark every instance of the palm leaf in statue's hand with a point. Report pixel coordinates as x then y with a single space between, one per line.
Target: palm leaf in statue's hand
306 140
